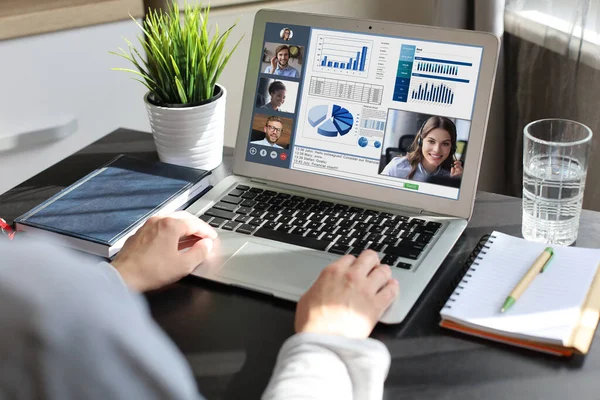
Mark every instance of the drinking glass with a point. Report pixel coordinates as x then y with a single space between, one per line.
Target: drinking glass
555 161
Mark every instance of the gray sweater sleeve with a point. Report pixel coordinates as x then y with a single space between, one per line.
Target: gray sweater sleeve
72 330
313 366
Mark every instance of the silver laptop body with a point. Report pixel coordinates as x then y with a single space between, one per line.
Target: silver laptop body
354 89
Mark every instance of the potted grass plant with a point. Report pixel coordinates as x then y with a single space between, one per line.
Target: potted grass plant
185 102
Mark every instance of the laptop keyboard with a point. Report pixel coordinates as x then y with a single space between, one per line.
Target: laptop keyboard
322 225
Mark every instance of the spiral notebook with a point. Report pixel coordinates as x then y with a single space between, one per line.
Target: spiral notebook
558 312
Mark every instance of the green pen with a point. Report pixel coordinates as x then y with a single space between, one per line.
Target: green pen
538 266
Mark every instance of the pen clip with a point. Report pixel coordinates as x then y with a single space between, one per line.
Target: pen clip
551 251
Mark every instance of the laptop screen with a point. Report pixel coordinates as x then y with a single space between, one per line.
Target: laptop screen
388 111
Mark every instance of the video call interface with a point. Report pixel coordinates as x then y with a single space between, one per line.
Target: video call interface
387 111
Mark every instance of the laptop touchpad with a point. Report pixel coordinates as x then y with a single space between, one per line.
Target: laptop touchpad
272 267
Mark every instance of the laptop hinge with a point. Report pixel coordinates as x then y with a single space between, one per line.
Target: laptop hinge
341 198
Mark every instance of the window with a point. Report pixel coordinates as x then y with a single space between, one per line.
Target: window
564 26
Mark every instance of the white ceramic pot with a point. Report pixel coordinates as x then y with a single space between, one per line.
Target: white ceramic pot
189 136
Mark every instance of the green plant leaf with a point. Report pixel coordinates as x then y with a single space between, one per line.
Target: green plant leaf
183 58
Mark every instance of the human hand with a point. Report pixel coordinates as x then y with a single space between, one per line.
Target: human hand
457 169
348 298
273 64
151 257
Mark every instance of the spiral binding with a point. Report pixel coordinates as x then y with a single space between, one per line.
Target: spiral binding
468 267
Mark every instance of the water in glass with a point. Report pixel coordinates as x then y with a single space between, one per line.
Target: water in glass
552 196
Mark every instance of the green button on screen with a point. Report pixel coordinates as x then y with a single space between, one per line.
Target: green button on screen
411 186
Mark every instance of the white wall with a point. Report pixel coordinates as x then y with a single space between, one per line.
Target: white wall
50 78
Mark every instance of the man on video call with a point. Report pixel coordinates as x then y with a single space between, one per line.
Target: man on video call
273 129
279 63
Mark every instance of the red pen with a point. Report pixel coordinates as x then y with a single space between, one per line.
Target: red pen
6 229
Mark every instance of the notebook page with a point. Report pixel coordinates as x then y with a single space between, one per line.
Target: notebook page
550 307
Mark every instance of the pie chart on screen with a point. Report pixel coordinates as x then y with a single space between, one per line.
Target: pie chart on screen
330 122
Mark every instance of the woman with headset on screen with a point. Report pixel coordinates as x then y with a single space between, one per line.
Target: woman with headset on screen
431 155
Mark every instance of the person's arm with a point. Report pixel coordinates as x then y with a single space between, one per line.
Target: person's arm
398 167
390 168
331 356
152 258
71 329
333 318
319 366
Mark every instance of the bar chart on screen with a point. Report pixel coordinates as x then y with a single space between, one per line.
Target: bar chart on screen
342 55
428 91
443 81
436 66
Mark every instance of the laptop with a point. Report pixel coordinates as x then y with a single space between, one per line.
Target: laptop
324 98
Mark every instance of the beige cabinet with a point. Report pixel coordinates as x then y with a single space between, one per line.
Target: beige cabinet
20 18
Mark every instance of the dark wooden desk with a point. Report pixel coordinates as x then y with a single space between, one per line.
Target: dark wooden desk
231 337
